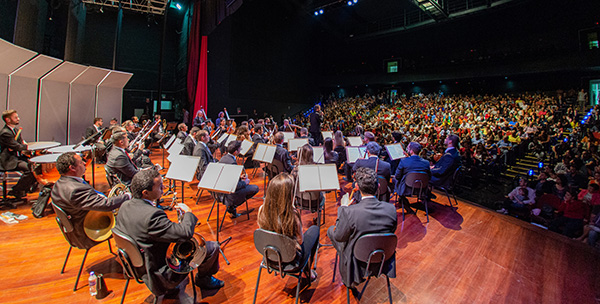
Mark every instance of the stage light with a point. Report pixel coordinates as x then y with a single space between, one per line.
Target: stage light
355 1
530 173
178 6
540 165
321 12
566 139
350 3
316 13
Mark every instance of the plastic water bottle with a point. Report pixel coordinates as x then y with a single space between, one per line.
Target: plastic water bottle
92 284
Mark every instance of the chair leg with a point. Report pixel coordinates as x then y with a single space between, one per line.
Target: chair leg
110 247
348 294
335 266
80 269
298 288
125 290
448 196
257 281
454 196
198 195
66 259
402 203
425 202
155 299
247 210
194 285
389 289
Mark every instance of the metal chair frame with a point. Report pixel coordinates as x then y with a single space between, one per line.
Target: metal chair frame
422 180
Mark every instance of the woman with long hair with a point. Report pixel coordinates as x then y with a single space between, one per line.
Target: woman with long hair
279 215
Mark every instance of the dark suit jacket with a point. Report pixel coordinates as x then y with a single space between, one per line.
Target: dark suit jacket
444 169
77 199
205 158
383 169
368 216
10 147
153 232
188 146
182 136
315 122
283 155
89 131
311 141
234 199
121 164
408 165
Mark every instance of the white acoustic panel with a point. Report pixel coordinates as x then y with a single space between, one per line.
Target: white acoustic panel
82 108
11 57
110 95
54 101
23 92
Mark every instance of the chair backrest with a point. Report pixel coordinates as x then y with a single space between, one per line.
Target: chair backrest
309 200
417 180
276 167
126 243
375 248
455 177
63 219
382 188
275 247
111 177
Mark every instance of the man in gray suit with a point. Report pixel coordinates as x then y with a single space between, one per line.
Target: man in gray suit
153 232
356 220
76 197
202 150
119 161
243 190
190 142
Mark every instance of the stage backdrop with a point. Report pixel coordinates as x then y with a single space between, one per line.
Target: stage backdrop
56 100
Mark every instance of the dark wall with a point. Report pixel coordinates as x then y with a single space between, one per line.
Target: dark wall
261 58
522 38
8 9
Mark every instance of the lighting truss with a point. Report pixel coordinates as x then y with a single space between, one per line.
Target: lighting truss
432 7
156 7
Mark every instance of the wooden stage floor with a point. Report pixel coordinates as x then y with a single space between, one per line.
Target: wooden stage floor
463 255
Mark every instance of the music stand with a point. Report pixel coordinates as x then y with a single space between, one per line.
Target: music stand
355 141
244 149
182 169
296 143
395 151
264 153
220 178
319 155
318 178
288 135
327 134
355 153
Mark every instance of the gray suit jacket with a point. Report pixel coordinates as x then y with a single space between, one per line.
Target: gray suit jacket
188 146
122 165
368 216
77 199
205 158
153 232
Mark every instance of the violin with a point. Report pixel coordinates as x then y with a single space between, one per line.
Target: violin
231 128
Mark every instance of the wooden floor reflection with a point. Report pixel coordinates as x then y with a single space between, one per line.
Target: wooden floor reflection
465 254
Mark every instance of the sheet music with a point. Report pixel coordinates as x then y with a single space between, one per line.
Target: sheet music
246 145
210 176
329 177
355 141
318 155
395 151
228 180
308 178
183 167
264 153
222 138
363 151
318 178
354 153
296 143
327 134
288 135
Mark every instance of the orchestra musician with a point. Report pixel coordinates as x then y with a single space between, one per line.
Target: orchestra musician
316 118
199 118
149 226
76 197
136 121
220 117
281 153
286 126
119 160
182 134
157 133
413 163
93 129
372 161
202 150
304 134
190 142
12 146
243 190
355 220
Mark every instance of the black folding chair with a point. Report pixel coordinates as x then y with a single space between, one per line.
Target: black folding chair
418 181
279 255
375 250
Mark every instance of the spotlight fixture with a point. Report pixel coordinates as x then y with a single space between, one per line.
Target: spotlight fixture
540 165
350 3
321 12
178 6
530 173
316 13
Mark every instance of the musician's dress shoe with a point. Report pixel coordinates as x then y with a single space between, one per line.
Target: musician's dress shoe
209 282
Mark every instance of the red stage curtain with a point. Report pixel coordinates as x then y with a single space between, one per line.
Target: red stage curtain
197 57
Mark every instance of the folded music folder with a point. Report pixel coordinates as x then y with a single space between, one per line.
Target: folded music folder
395 151
318 178
264 153
222 178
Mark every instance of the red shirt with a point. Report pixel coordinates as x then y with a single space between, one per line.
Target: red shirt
574 209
